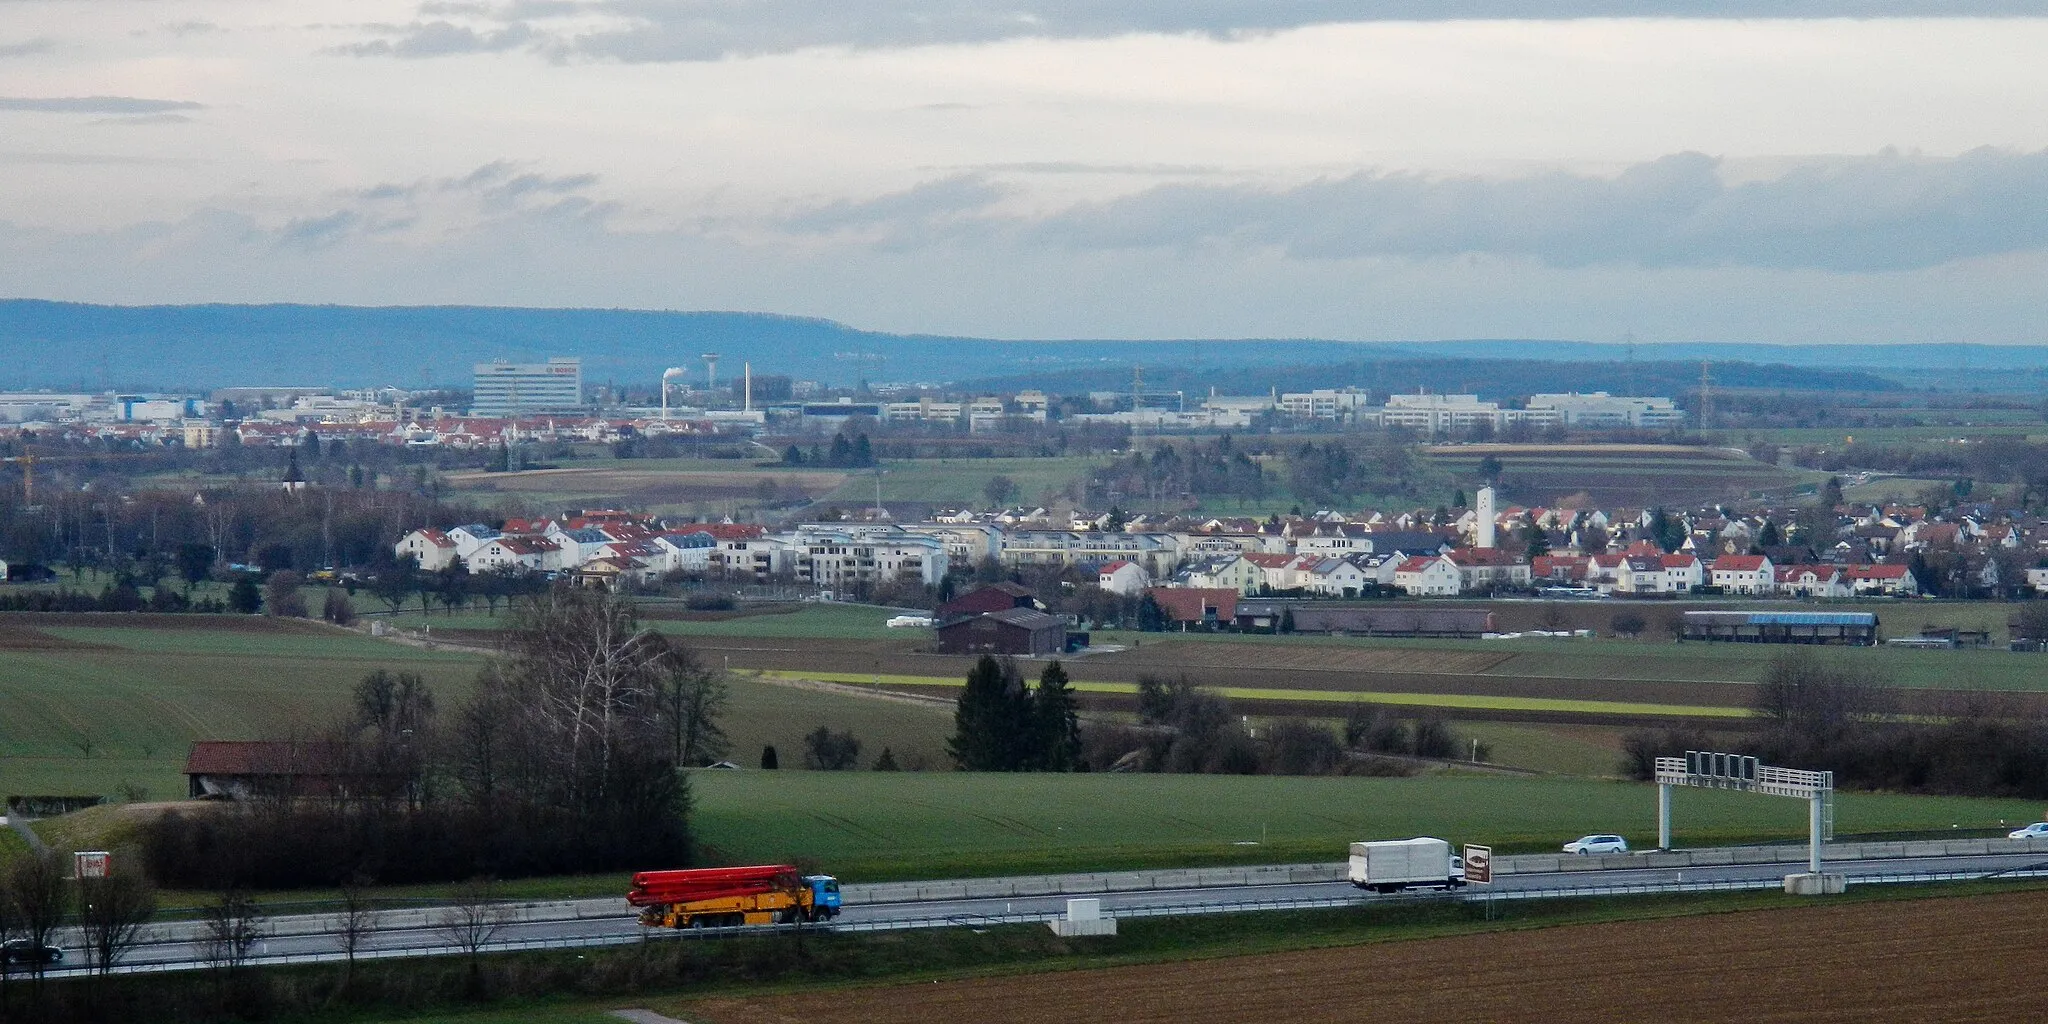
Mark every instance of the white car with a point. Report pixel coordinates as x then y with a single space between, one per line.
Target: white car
2037 830
1585 845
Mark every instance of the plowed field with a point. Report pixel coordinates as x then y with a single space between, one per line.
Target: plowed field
1974 958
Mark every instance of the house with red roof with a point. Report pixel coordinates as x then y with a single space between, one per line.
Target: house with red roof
1196 606
1428 576
433 549
1811 581
1880 580
1745 574
1488 569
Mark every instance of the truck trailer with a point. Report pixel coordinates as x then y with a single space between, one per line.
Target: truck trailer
1391 865
720 897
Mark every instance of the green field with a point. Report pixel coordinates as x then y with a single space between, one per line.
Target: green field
878 825
122 705
801 622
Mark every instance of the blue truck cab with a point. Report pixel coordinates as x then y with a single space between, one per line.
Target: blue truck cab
824 895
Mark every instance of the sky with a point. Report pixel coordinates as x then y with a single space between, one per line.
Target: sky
1874 171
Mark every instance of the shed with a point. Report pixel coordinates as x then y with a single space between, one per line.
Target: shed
1021 632
236 769
1855 628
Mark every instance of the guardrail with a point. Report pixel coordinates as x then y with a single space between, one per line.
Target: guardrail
1474 894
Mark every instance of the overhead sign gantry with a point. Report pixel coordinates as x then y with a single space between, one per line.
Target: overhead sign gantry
1703 769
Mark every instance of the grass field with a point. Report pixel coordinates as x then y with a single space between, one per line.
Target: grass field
661 486
881 825
93 709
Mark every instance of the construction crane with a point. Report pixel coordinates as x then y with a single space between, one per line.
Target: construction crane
28 461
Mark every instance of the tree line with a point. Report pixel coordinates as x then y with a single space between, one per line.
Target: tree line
566 758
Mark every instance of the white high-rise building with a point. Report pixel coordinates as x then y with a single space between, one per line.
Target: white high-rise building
524 389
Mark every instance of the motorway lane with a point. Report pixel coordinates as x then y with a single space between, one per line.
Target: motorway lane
175 944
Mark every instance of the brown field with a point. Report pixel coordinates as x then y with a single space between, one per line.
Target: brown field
1954 959
14 638
645 488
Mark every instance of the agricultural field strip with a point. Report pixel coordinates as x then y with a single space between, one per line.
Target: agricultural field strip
1446 700
1239 899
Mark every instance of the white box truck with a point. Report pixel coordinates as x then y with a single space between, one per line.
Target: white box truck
1394 864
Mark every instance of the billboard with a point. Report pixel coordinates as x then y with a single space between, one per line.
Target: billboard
1479 864
93 863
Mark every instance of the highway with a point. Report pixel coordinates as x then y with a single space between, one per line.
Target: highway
311 938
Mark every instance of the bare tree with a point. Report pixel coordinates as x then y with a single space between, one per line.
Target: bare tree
230 928
111 912
692 696
472 919
356 923
36 887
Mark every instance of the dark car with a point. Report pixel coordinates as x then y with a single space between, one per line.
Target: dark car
22 951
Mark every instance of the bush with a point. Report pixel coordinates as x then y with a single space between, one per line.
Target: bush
829 751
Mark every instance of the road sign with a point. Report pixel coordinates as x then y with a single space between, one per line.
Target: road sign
93 863
1479 864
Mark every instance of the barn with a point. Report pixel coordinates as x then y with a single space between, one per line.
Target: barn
1019 632
992 598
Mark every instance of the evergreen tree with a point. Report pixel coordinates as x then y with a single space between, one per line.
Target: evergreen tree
1769 536
769 762
842 452
1151 617
986 720
1287 621
1058 720
863 452
1831 493
1539 541
244 597
793 455
886 762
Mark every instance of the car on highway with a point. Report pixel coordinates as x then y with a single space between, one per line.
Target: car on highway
1585 845
2037 830
22 951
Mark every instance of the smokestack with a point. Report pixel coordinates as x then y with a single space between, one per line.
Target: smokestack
748 401
1485 513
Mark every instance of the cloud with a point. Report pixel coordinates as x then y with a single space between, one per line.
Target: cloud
441 39
923 204
1884 212
26 48
95 104
664 30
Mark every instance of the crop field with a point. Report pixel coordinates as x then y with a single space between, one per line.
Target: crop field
1637 475
660 486
1300 699
962 481
1906 960
869 826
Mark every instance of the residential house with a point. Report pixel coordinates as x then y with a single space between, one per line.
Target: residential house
1122 577
1745 574
1880 580
516 553
1233 572
1811 581
431 548
1482 569
1428 576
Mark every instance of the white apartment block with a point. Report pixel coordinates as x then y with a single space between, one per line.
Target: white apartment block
1325 404
834 558
1598 409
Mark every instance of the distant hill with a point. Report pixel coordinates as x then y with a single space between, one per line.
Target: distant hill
71 345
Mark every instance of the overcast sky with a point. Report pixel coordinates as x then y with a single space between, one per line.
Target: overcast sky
1876 171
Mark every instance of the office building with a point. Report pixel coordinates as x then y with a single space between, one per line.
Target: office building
527 389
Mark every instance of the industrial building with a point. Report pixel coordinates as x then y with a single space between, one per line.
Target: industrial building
525 389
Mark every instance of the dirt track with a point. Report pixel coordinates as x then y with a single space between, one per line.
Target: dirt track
1975 958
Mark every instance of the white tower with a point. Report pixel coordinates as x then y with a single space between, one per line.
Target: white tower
710 370
1485 514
